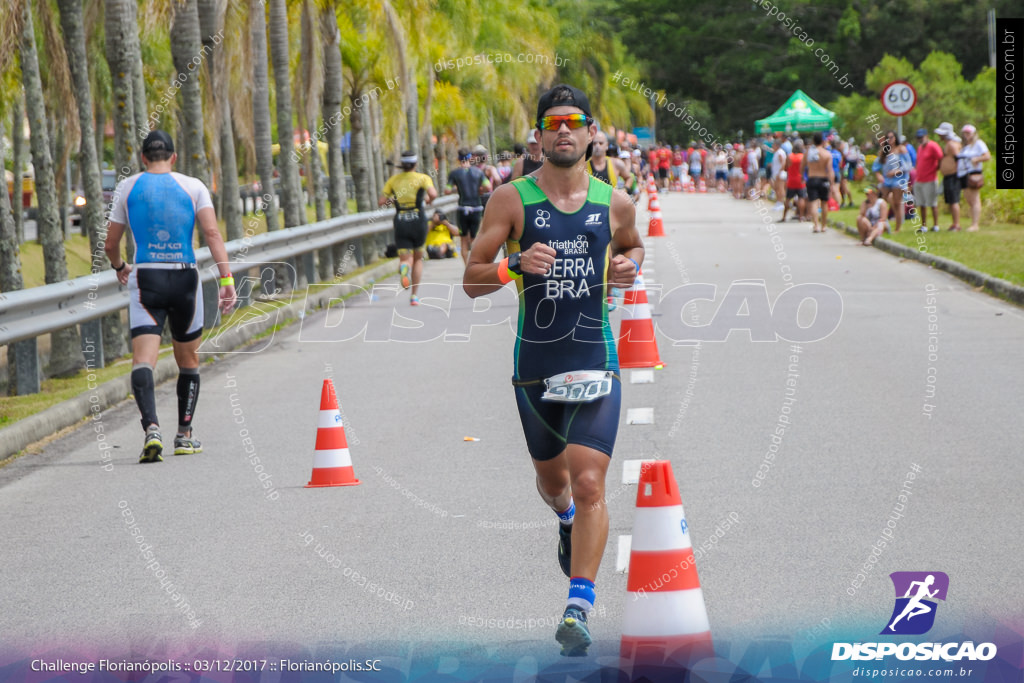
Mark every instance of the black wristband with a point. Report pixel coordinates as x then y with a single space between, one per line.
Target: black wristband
124 264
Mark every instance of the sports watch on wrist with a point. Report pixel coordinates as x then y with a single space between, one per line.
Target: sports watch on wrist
513 262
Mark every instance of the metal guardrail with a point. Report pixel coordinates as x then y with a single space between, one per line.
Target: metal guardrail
29 313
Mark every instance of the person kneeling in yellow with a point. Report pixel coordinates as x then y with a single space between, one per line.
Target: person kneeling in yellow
439 238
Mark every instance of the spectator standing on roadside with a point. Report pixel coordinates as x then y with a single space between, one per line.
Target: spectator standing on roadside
948 166
926 183
972 156
677 166
779 173
796 187
832 144
664 164
695 167
892 168
853 160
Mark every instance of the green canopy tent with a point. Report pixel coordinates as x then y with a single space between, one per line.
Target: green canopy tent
799 114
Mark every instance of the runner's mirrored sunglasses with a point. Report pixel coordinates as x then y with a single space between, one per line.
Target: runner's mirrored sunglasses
573 121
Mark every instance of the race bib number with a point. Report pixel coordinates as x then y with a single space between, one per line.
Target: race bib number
578 387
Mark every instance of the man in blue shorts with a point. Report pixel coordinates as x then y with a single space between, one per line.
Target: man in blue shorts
570 237
161 208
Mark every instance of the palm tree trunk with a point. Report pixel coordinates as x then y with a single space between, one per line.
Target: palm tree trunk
100 131
331 110
10 252
371 158
410 97
18 154
71 22
187 51
139 108
119 61
211 19
426 132
261 111
377 117
65 352
10 267
290 186
359 157
490 136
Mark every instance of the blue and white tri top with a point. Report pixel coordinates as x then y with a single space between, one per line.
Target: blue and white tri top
160 209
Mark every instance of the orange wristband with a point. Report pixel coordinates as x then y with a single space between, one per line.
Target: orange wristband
504 274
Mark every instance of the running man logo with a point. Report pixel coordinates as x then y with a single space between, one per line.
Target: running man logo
914 612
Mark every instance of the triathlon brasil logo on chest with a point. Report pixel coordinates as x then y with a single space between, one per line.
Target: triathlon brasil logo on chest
567 279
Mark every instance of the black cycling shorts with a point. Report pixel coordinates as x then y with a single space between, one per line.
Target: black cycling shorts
550 427
410 230
817 189
158 295
469 221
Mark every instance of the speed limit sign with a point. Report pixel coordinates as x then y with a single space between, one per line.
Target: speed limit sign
899 98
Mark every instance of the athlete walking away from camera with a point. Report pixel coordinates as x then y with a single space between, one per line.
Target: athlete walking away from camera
470 183
410 191
161 207
570 237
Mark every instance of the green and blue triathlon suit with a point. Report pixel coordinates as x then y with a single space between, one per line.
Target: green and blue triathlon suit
563 321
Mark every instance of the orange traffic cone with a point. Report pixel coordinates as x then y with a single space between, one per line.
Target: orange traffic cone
332 465
637 346
690 186
703 186
665 622
653 204
655 228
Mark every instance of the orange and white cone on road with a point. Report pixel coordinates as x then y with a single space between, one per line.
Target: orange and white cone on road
665 622
332 464
703 186
653 204
637 347
655 228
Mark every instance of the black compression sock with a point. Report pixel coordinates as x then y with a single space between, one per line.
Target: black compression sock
188 395
142 387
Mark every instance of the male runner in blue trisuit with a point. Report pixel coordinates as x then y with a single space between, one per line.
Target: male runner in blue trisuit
570 237
161 208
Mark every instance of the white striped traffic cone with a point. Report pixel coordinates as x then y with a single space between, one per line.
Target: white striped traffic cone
665 621
332 464
637 346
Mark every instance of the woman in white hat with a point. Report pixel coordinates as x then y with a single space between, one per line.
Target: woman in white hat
973 154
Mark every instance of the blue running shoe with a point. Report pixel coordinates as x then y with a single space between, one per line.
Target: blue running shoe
565 549
573 634
153 446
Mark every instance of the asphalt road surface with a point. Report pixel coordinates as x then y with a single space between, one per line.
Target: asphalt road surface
445 540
